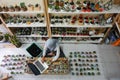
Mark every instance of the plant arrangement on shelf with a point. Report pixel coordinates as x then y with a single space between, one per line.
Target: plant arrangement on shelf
78 31
31 31
19 19
21 7
5 9
12 39
107 4
11 8
79 5
98 20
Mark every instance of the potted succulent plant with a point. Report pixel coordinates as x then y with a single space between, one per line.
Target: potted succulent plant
1 9
57 8
23 6
37 7
39 15
17 8
30 7
51 3
11 8
61 4
13 40
5 9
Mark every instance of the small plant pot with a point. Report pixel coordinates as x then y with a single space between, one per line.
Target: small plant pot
5 9
80 22
24 8
72 22
37 7
17 8
1 9
11 9
30 7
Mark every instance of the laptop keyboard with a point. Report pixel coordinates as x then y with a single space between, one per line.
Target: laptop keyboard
39 65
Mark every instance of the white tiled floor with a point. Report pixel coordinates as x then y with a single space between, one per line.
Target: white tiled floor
109 60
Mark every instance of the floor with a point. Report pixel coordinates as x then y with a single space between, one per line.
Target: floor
109 59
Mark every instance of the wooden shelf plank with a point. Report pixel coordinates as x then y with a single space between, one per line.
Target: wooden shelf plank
27 25
99 26
102 35
80 42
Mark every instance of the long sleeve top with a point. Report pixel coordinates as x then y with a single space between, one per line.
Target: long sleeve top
52 45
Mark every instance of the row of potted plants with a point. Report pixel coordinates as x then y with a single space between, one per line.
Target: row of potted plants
18 19
77 5
21 7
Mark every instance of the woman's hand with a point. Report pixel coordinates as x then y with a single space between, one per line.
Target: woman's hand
51 54
43 59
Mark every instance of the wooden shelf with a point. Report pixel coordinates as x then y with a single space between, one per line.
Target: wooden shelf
102 35
68 25
81 41
27 25
115 9
47 12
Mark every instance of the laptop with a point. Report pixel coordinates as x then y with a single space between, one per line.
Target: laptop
38 67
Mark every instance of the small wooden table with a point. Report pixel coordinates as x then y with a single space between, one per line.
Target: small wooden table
59 67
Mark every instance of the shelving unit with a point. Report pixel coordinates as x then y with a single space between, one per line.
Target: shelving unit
89 31
29 18
76 37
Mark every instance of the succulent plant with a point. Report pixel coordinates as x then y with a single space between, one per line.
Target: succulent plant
17 8
13 39
37 5
38 15
23 6
5 8
11 8
1 9
57 8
